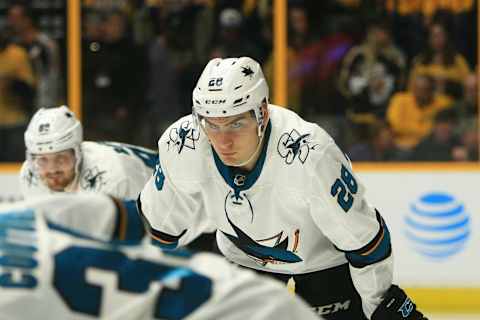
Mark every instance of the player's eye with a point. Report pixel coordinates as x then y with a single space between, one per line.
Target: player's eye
211 126
63 159
237 125
41 161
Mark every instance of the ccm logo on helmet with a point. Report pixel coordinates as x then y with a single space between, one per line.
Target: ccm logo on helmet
215 101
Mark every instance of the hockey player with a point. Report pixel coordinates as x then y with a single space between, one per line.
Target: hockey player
280 193
59 160
58 261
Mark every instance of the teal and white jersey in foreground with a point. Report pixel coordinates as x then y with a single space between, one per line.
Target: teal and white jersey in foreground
300 210
118 169
58 261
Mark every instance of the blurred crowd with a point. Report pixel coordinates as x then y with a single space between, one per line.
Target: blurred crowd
389 80
30 76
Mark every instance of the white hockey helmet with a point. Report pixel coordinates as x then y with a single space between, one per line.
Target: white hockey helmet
53 130
228 87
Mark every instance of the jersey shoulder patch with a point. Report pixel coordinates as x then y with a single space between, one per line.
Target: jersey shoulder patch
27 175
100 167
181 138
184 151
296 140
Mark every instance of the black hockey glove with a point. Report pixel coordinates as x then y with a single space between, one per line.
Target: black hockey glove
397 306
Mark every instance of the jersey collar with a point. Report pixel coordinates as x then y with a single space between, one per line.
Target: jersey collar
240 179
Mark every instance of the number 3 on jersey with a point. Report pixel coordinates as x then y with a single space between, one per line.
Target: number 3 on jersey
344 188
134 276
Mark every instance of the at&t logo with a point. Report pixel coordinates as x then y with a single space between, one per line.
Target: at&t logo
438 225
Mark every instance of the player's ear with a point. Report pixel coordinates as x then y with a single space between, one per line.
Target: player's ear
265 113
265 107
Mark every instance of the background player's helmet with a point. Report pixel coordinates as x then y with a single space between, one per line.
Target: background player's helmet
228 87
54 130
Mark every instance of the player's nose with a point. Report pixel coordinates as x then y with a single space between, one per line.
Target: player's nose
225 141
52 167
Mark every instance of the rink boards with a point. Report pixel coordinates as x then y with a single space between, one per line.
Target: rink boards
433 214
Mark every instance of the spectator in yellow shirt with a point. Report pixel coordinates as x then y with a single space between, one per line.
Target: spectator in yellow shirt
442 62
411 114
16 97
427 7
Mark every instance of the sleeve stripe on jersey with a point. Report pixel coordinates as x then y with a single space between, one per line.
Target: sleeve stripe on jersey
161 239
162 244
375 251
166 240
381 234
129 226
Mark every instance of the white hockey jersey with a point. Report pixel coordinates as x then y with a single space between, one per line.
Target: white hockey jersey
118 169
300 210
56 263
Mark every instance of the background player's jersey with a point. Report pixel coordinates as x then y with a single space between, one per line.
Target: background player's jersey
300 210
114 168
56 263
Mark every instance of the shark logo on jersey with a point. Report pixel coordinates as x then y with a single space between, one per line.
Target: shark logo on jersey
184 136
93 179
236 208
31 178
293 144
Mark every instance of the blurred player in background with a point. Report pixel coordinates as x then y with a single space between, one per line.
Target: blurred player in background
82 257
280 193
58 160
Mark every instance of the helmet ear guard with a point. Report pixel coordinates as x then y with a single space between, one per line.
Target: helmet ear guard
261 118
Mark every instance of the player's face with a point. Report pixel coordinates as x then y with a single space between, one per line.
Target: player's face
57 170
235 139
